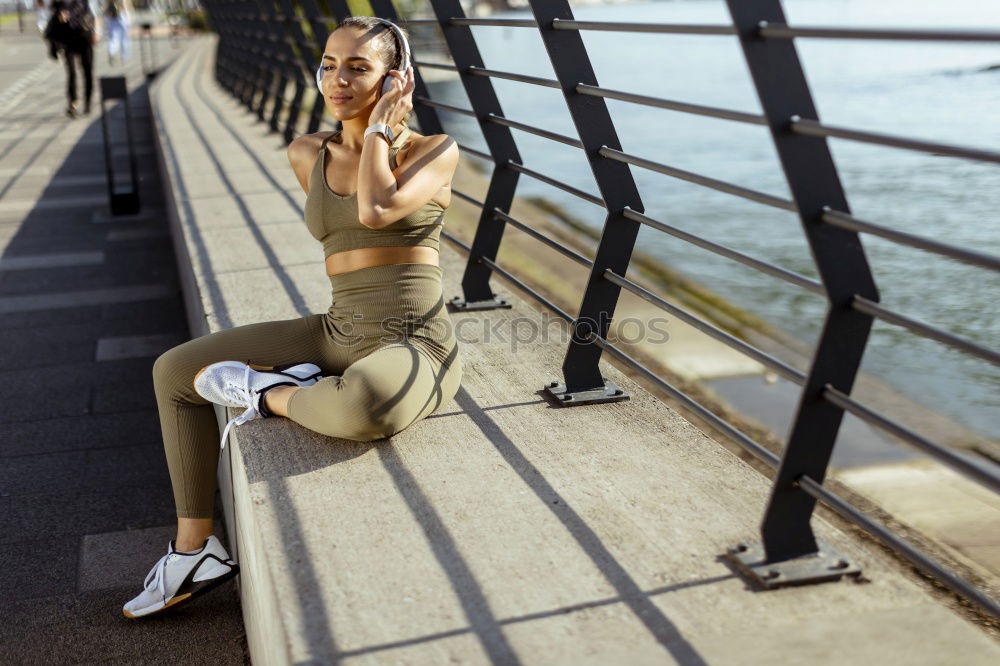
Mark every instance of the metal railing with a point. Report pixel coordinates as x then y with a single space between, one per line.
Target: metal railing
286 46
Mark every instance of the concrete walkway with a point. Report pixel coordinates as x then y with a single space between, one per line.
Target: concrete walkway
87 302
501 530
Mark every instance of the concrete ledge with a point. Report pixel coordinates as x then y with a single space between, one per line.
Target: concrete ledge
500 529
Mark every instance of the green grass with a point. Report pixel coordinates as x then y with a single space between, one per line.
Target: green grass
10 20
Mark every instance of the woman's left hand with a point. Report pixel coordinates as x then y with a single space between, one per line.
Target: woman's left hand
394 105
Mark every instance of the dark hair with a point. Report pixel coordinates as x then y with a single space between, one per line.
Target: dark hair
384 41
384 38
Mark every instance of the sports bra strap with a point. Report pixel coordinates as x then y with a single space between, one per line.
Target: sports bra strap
393 149
322 146
396 145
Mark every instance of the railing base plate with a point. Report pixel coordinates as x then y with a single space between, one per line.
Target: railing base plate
824 565
608 393
461 305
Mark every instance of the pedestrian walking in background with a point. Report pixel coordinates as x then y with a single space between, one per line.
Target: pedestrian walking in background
71 30
117 18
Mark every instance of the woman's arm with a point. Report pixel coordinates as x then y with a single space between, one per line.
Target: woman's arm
384 199
430 164
302 155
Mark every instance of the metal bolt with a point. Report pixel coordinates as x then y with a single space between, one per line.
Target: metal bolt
771 574
553 384
618 392
742 547
566 396
841 564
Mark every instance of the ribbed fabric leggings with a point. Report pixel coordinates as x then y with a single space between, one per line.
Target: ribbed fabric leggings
386 348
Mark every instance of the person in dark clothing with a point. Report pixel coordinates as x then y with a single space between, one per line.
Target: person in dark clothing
72 30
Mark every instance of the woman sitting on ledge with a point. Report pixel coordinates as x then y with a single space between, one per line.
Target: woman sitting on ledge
383 357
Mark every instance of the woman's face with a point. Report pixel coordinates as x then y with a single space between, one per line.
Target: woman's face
352 73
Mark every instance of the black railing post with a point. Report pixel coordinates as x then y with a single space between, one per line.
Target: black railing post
229 45
840 259
430 122
268 32
247 66
476 292
340 11
259 65
234 66
286 61
571 62
221 23
302 75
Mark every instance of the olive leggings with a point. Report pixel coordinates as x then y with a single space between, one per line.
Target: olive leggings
388 354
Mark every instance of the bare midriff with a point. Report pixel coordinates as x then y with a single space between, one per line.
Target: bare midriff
366 257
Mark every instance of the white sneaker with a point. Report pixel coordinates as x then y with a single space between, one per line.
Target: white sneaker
179 576
237 384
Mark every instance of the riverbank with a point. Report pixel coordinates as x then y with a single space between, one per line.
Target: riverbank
747 395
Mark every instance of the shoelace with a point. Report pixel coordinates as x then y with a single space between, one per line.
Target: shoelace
157 574
242 394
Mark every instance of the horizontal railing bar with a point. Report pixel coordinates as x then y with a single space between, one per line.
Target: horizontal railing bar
447 107
472 151
786 371
846 221
683 107
852 514
435 65
762 266
809 127
513 76
507 23
735 435
622 26
722 186
982 475
784 31
862 304
455 241
555 245
528 290
471 200
426 21
520 168
500 120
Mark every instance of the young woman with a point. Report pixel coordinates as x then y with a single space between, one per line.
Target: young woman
383 357
117 18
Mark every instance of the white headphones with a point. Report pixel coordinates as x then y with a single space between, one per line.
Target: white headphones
404 65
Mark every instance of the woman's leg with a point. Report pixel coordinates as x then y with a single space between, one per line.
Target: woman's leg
68 59
87 63
187 421
375 397
114 36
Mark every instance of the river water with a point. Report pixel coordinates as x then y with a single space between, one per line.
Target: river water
936 91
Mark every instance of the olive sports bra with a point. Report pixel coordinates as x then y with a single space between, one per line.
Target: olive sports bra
333 219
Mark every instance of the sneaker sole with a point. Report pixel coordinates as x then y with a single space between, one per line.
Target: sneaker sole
199 590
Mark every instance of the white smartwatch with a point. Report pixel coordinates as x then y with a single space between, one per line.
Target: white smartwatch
380 128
